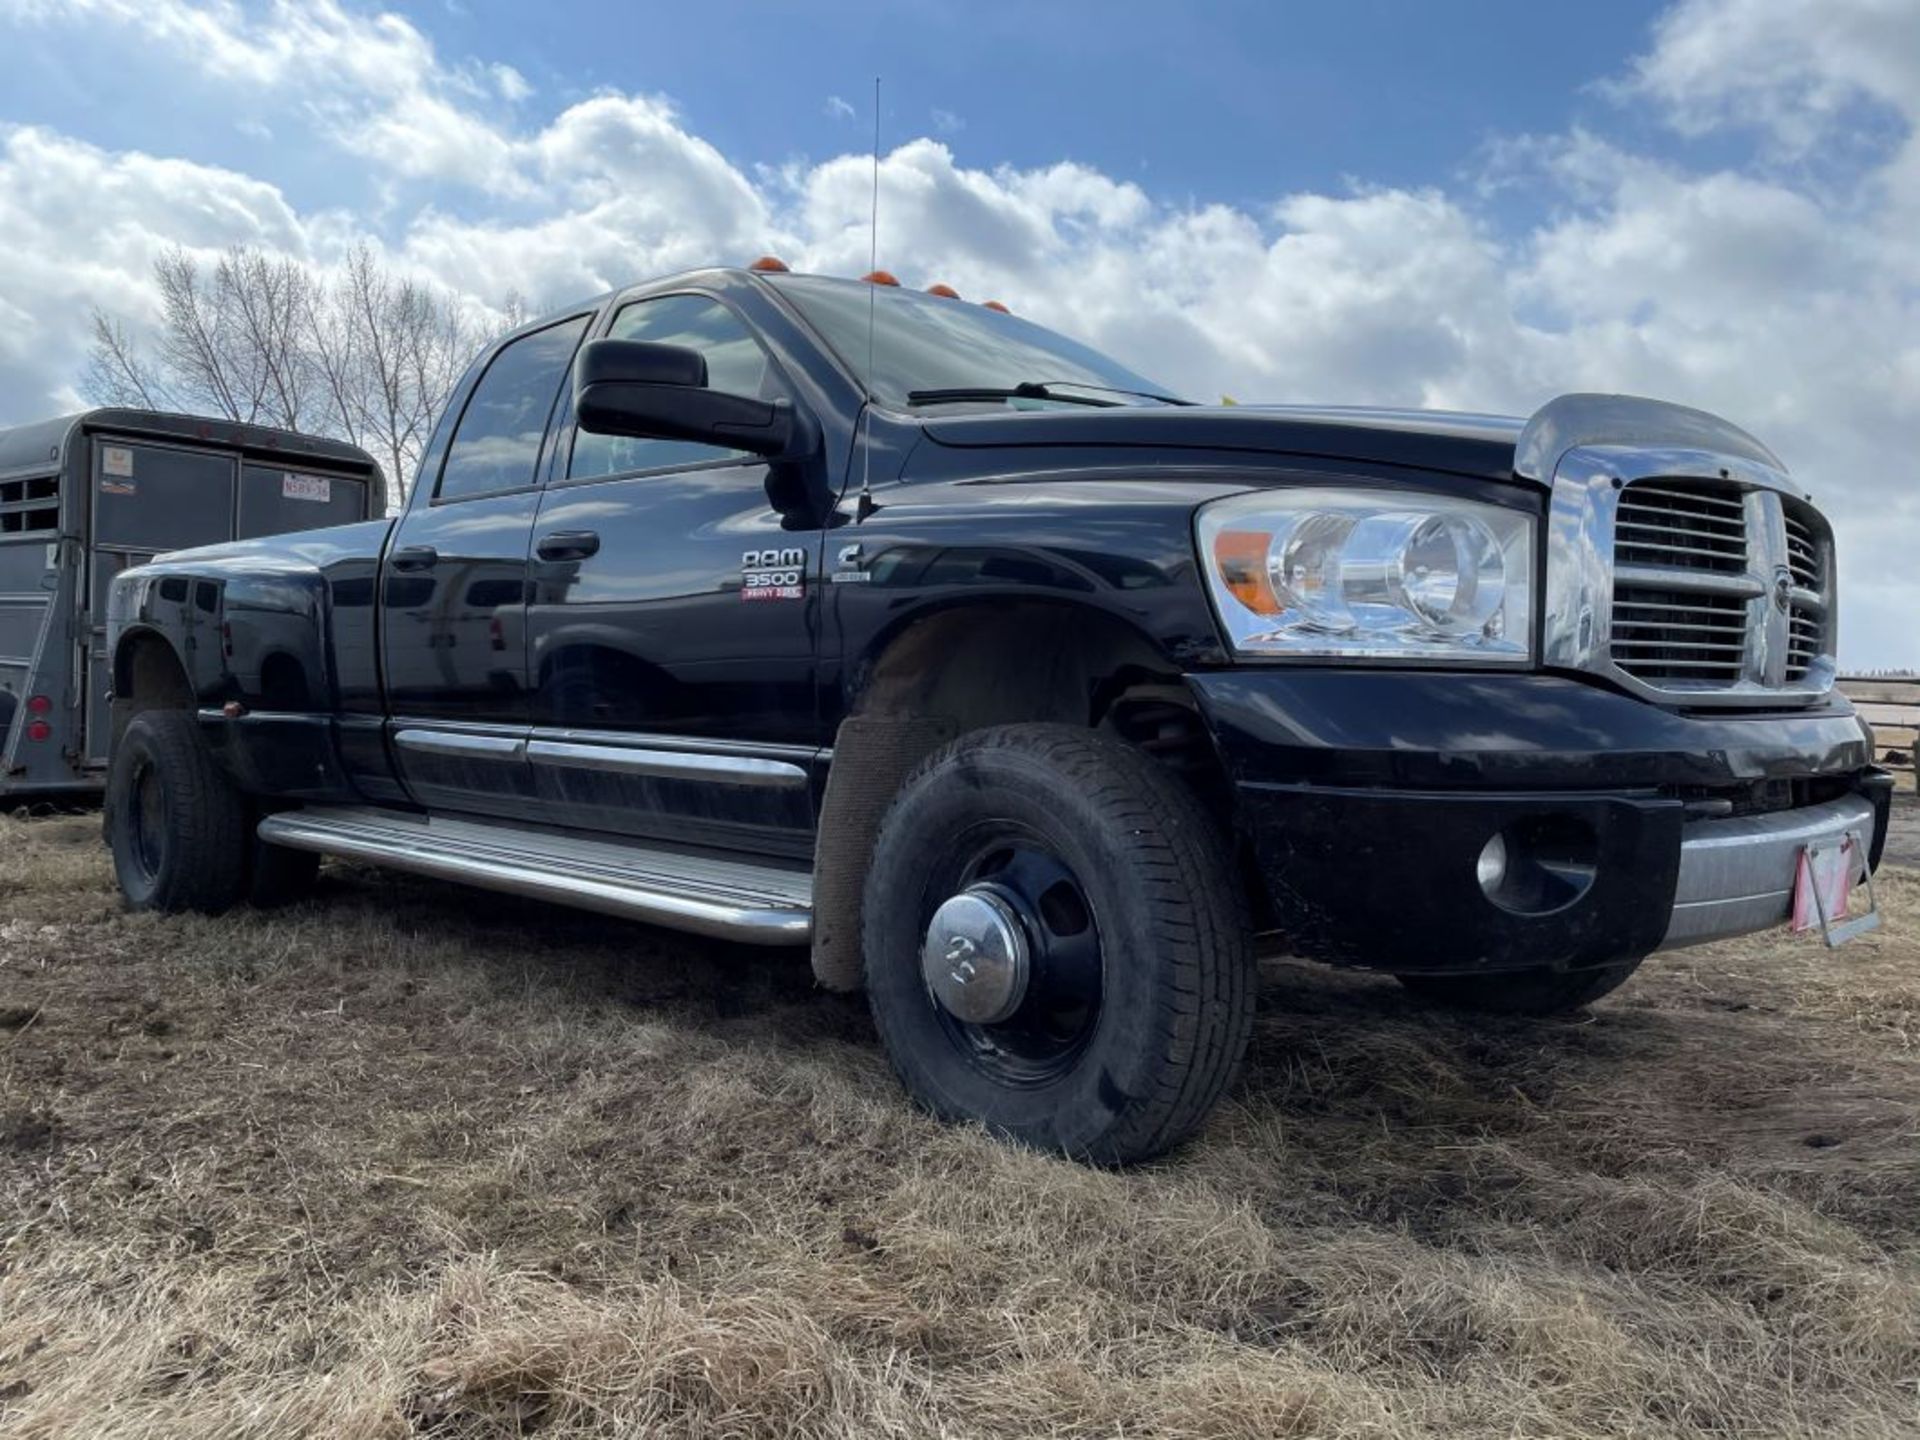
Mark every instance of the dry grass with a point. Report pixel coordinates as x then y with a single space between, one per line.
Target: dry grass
416 1161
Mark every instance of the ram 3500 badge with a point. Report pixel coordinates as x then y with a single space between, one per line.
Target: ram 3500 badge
1499 707
779 574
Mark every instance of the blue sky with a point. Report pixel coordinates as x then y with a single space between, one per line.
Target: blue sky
1232 102
1475 205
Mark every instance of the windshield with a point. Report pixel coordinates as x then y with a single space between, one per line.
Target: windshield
930 343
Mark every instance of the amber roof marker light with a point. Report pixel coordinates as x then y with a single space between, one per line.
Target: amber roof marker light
945 292
880 277
771 265
995 305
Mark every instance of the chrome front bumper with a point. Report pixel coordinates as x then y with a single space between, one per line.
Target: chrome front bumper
1736 876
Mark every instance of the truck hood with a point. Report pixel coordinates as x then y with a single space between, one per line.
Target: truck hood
1478 445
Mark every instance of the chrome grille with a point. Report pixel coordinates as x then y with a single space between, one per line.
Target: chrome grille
1803 642
1716 586
1806 628
1803 552
1661 634
1683 563
1681 527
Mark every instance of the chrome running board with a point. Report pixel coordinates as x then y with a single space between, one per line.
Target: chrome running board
698 891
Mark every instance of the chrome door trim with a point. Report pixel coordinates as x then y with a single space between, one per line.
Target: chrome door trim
627 751
461 744
697 744
668 764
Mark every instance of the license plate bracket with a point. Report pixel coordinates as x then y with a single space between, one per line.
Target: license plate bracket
1823 882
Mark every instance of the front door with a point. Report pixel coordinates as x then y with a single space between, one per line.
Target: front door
671 630
454 590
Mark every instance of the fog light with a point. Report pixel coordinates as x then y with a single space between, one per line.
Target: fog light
1539 864
1491 868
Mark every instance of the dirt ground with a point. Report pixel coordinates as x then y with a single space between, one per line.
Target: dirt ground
416 1161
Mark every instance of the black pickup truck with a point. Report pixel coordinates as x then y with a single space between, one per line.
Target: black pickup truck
807 611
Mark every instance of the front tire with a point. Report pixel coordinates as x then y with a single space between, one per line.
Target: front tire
176 825
1126 1008
1522 992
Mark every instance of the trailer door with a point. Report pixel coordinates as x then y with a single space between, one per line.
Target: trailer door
277 501
147 499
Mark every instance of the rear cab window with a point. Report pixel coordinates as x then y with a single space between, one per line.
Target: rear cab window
496 446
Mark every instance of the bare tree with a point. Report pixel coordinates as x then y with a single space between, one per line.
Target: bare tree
116 373
368 358
389 351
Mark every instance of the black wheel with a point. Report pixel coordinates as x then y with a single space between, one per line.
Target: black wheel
177 826
1522 992
1056 945
278 876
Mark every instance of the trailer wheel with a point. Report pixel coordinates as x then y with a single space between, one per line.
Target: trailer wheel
1056 944
177 825
1522 992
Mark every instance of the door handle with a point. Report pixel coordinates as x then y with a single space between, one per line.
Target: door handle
414 557
568 545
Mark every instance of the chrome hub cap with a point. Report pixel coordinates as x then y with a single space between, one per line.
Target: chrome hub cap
976 959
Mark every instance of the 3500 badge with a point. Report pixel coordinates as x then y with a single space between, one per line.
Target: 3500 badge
773 574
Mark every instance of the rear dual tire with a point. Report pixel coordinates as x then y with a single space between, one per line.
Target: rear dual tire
182 834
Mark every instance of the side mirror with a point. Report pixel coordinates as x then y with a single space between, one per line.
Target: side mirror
658 392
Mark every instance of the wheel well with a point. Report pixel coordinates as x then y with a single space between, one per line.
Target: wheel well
1008 664
147 675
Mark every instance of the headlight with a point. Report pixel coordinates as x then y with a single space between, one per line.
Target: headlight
1370 573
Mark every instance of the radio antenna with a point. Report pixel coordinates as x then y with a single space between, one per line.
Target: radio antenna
866 506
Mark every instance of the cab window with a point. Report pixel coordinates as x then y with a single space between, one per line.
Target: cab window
735 364
496 445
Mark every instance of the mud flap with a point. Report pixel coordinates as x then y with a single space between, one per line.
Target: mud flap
872 755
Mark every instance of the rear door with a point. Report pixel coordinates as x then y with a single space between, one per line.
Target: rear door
672 624
453 587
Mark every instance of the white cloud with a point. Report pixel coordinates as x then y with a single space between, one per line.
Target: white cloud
946 122
1792 67
511 84
59 256
838 109
1783 292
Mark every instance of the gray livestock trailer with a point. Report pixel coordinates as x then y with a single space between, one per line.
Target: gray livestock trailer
86 496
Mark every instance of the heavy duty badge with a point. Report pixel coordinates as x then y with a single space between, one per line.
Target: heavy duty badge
774 574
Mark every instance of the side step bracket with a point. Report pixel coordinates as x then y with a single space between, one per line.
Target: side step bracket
694 890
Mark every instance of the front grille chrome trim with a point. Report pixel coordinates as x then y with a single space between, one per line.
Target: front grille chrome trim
1764 632
1703 582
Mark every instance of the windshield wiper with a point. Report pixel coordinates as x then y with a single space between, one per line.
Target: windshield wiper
1025 390
1153 395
